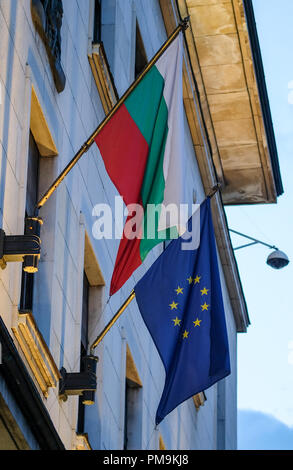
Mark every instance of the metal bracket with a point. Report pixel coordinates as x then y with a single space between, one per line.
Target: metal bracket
185 22
22 248
80 383
214 190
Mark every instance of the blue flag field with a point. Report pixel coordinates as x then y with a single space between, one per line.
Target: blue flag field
181 303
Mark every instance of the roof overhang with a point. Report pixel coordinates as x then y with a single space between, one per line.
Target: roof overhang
226 59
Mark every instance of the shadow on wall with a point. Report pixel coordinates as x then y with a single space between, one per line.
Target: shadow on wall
260 431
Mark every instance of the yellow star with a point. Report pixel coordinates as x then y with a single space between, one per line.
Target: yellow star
204 291
179 290
190 280
176 321
197 279
173 305
185 334
204 307
197 322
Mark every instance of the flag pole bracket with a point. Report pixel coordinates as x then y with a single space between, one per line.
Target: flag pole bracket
22 248
80 383
214 190
184 23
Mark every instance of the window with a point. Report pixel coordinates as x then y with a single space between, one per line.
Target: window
126 411
97 32
102 27
41 145
83 347
140 54
133 406
27 280
32 331
133 416
93 284
85 313
101 55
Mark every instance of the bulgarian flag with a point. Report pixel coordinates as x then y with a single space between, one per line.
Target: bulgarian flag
142 147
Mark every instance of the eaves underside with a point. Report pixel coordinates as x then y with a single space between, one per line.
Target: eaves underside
225 58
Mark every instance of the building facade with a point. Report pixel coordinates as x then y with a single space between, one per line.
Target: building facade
63 66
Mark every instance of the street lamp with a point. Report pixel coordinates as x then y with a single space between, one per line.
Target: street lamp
277 259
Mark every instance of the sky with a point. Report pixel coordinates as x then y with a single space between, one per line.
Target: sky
265 352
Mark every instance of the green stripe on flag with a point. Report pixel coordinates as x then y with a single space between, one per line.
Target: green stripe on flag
148 109
144 102
154 183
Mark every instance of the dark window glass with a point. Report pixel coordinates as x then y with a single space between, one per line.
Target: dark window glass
27 280
97 22
126 415
32 184
85 312
140 54
132 415
83 347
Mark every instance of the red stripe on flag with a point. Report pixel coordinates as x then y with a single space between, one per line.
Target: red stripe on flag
124 151
127 261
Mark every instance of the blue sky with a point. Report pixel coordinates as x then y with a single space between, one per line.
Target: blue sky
265 352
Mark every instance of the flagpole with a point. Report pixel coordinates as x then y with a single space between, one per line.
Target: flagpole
84 148
113 320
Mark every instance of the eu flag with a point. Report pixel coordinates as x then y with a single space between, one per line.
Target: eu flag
181 303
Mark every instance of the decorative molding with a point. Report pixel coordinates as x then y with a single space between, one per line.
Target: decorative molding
36 352
91 264
47 17
40 129
24 390
102 76
161 443
82 442
199 400
131 370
